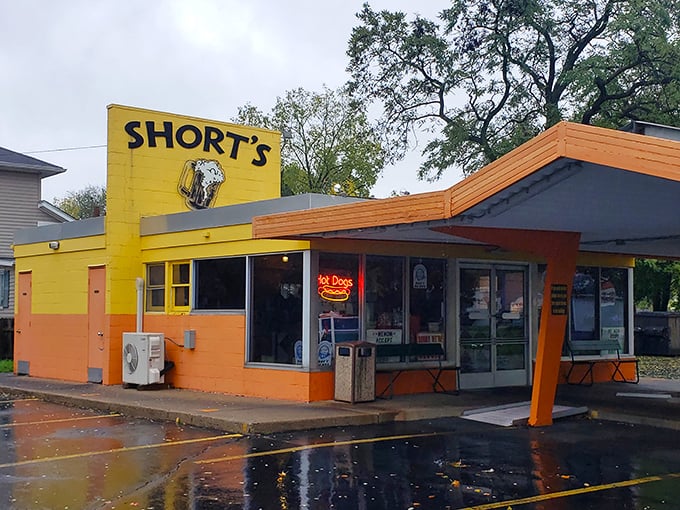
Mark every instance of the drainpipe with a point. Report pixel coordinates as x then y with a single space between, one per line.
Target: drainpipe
139 283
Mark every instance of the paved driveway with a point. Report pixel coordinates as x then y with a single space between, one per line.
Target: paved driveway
59 457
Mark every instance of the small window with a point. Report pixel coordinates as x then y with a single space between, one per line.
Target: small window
180 285
155 287
4 288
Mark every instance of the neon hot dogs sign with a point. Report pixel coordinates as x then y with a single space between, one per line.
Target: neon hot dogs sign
332 287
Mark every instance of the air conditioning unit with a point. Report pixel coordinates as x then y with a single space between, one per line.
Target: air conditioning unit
143 358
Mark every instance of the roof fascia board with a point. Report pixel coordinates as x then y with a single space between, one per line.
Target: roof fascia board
54 211
375 213
647 155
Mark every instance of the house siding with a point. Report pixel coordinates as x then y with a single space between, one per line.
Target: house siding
19 197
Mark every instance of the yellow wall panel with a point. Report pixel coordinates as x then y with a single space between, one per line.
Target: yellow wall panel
60 280
162 163
65 246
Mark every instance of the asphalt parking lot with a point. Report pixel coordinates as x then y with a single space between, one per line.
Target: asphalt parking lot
61 457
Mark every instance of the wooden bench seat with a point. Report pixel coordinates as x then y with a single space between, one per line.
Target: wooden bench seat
594 348
429 357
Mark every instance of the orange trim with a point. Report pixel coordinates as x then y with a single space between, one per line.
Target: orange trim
372 213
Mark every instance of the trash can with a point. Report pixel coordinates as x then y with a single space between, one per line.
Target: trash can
355 372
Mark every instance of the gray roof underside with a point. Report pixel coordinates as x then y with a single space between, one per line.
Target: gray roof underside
616 211
17 162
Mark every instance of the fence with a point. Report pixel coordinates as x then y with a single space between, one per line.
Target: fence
6 338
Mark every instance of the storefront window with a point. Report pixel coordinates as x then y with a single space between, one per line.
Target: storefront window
155 287
584 310
427 305
220 284
613 304
599 304
337 295
276 311
384 300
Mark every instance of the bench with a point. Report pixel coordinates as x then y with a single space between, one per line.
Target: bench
429 357
594 348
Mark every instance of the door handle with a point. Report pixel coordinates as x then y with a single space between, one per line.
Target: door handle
100 333
18 331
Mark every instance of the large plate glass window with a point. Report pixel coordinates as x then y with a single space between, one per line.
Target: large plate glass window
384 289
427 305
276 308
220 284
337 302
599 305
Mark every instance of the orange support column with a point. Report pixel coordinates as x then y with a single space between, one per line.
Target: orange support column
554 314
560 249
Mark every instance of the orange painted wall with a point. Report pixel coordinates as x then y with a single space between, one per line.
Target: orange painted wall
217 363
602 372
412 382
56 346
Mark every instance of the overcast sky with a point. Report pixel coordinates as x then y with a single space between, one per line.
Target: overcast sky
62 62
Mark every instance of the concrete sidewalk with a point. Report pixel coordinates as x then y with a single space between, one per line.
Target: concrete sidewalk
261 416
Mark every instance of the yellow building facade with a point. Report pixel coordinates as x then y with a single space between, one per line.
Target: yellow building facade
251 291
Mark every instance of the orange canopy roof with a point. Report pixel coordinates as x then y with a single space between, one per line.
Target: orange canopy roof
619 190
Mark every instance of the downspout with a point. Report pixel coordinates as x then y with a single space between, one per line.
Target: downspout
139 284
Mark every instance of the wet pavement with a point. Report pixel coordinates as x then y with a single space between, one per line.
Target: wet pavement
55 457
610 401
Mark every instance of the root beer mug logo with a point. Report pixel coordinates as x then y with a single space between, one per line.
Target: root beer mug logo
200 181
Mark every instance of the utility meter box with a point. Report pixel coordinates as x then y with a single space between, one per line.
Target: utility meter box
355 372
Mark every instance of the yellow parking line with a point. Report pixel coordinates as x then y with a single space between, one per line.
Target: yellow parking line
60 420
117 450
574 492
319 445
17 400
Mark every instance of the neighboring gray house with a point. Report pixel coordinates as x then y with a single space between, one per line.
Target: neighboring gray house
20 207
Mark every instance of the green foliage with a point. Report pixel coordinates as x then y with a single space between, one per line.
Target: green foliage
328 144
6 366
488 76
657 283
85 203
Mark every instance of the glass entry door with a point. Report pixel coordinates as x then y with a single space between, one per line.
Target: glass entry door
494 342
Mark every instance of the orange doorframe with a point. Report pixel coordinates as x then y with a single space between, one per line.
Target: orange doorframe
560 250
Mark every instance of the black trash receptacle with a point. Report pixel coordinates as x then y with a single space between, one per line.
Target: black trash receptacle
652 341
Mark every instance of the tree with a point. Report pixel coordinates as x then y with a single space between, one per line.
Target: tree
85 203
328 146
656 282
488 76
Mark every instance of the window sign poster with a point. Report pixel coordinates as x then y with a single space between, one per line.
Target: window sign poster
385 336
613 334
325 353
419 276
